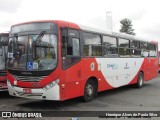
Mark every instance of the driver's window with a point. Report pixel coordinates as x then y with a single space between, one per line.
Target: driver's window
73 47
70 47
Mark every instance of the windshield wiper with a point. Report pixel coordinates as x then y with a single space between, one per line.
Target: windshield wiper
40 36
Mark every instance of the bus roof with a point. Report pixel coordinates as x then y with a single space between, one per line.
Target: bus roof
72 25
115 34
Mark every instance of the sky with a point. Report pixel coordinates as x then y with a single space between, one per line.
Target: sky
144 14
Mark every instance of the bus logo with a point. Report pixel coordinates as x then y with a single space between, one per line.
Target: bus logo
126 67
113 66
34 84
26 73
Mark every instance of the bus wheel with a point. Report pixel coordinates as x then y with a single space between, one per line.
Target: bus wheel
89 91
140 80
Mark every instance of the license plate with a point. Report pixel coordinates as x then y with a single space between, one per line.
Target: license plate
27 90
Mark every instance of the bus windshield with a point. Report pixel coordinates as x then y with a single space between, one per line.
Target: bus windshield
2 58
32 52
3 50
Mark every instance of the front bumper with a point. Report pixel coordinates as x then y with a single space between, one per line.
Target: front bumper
36 93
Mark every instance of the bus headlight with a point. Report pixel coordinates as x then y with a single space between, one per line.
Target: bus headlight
50 85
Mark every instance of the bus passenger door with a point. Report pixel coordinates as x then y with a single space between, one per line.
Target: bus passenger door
151 63
146 65
71 62
147 61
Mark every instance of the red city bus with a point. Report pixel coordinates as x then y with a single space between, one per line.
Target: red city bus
59 60
3 52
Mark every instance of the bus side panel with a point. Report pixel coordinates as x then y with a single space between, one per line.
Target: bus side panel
154 67
150 68
76 76
154 62
72 78
119 71
146 69
92 69
109 72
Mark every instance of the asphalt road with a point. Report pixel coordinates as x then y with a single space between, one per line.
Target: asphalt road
126 98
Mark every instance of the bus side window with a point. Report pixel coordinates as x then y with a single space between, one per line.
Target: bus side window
110 46
144 49
124 50
135 48
92 44
152 50
73 47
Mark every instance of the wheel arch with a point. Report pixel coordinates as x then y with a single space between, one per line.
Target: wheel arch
95 80
141 71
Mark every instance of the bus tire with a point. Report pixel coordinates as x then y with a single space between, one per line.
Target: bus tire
140 80
89 91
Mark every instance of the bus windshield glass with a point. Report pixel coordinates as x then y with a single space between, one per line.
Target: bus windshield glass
2 58
32 52
3 50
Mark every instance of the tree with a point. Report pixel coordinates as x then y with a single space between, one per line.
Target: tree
126 26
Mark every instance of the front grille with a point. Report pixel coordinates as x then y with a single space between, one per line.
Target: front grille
29 78
2 73
29 94
3 86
